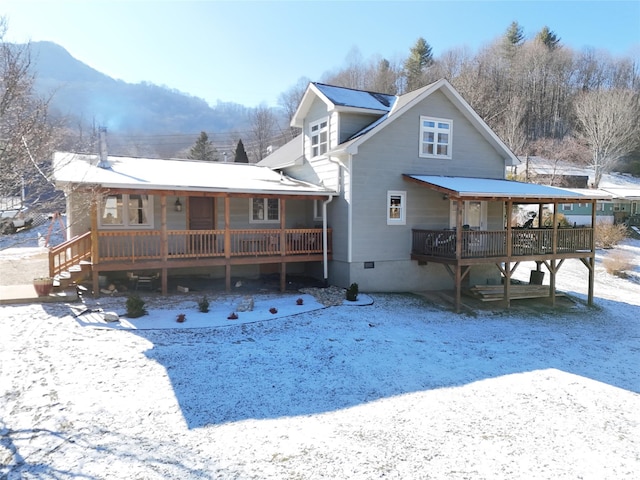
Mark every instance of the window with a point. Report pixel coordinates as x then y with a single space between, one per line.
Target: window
319 138
396 208
264 210
435 137
125 211
317 210
567 207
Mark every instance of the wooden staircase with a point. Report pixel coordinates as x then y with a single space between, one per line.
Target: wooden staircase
70 261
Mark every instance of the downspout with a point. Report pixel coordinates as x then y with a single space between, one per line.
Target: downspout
325 241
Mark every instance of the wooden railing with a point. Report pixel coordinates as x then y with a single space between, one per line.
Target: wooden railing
524 242
69 254
147 244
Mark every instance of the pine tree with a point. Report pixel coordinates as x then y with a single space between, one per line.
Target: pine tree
241 154
203 149
548 38
514 36
420 58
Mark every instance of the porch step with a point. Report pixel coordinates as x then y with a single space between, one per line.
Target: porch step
491 293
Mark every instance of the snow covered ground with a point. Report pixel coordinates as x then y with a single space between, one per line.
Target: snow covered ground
393 388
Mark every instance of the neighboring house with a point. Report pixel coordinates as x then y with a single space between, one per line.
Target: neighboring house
619 194
410 172
395 193
146 218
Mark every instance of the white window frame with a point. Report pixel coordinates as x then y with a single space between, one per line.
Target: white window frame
437 129
567 207
265 209
124 211
320 127
396 213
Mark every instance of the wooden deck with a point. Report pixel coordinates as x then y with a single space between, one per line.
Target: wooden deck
152 250
502 245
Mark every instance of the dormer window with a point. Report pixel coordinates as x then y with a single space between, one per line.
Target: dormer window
435 137
319 138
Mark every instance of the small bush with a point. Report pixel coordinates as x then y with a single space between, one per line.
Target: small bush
232 316
135 306
181 317
618 262
608 236
352 292
203 305
273 310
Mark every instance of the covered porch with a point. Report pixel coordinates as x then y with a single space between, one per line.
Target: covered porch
459 248
155 253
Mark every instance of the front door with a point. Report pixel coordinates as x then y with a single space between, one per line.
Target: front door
201 213
202 216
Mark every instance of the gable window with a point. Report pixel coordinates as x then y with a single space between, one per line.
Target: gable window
319 138
126 211
396 207
264 210
435 137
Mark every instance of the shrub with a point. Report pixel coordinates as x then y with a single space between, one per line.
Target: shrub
547 220
352 292
273 310
181 317
608 236
203 305
232 316
135 306
617 263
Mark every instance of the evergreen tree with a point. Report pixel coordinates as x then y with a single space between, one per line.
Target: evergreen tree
513 35
241 154
203 149
420 58
548 38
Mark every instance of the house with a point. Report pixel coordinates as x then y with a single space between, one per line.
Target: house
394 193
421 201
619 193
149 219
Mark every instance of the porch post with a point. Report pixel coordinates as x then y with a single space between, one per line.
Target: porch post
552 263
227 242
95 260
164 243
283 245
592 255
509 251
459 234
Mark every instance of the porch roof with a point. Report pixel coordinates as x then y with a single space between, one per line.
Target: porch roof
178 175
473 188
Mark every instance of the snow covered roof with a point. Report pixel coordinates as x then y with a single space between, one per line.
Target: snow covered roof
178 175
491 188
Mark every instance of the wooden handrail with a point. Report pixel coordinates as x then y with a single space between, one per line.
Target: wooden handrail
483 243
69 254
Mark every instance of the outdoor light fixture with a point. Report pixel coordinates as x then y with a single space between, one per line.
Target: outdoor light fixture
178 205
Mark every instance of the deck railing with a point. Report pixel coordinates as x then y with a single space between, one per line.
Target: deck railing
69 254
489 244
147 244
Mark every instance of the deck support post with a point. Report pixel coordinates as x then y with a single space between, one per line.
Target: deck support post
164 253
227 242
95 284
283 244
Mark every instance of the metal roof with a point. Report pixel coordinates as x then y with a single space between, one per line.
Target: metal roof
467 188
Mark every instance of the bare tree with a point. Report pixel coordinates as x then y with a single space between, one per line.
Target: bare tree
263 125
27 134
290 100
608 125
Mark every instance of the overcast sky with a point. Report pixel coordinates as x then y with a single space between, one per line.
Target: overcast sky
250 52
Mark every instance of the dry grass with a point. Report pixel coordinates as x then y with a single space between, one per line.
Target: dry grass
608 236
618 262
